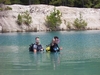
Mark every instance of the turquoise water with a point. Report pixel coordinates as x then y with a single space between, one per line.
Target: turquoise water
80 54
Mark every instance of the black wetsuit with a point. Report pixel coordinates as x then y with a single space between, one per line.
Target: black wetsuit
54 48
38 47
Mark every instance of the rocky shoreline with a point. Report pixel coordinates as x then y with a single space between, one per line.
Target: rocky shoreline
39 12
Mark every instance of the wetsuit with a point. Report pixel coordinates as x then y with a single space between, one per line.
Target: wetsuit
54 48
38 47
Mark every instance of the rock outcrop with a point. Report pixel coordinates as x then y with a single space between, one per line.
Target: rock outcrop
39 12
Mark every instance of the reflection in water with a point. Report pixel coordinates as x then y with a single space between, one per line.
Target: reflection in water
80 54
55 59
36 60
39 58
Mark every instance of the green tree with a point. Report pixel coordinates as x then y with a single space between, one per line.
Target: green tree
27 19
35 1
88 3
19 19
79 23
15 1
5 1
43 1
71 3
54 19
56 2
24 18
96 3
26 2
78 3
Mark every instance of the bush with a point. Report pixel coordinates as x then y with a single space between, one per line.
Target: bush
56 2
8 8
54 19
79 23
27 19
7 2
1 9
19 20
24 18
69 25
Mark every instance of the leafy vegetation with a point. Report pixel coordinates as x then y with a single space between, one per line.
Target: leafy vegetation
69 25
27 19
54 19
71 3
6 8
79 23
1 9
19 20
56 2
24 18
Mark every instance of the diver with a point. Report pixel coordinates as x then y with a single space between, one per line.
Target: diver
36 47
53 47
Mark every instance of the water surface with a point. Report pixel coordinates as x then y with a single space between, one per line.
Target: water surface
80 54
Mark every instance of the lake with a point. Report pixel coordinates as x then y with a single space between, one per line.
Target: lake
80 54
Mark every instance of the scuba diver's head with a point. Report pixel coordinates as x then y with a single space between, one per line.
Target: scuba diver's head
56 39
37 40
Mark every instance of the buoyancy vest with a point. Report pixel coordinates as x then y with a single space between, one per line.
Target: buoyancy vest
35 46
54 48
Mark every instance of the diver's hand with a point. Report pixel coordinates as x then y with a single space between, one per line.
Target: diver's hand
35 50
42 49
61 48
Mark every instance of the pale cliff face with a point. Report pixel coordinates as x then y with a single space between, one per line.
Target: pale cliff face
39 12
